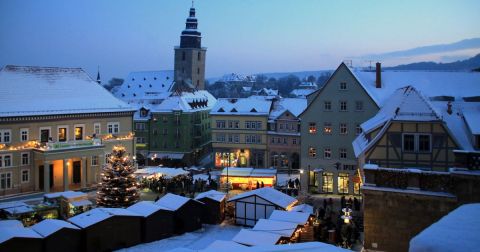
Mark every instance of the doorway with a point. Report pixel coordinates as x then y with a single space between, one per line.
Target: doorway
77 166
41 176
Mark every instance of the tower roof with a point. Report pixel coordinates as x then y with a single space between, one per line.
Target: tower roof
191 37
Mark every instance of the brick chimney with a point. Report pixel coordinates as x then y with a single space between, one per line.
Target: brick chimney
378 71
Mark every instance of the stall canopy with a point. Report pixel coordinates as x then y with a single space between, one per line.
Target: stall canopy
255 238
304 208
161 171
276 197
283 228
298 218
244 178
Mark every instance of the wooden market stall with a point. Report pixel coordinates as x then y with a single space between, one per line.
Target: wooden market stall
59 235
157 221
248 178
187 212
214 206
15 237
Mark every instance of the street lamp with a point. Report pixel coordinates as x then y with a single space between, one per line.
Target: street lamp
347 215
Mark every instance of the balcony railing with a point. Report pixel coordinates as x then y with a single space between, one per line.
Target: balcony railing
72 144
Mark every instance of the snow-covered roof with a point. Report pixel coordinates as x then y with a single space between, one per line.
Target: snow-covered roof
255 238
283 228
7 233
471 117
457 231
235 77
221 245
50 226
16 207
212 194
65 194
146 87
186 101
79 203
302 92
308 85
97 215
241 106
299 218
268 91
267 193
32 90
11 224
431 83
146 208
300 247
304 208
294 105
173 201
165 171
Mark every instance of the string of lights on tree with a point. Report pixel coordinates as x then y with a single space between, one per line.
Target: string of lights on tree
119 185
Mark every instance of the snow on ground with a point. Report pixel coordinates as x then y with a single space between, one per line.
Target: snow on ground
199 239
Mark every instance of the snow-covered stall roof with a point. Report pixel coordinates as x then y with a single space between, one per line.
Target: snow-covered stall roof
221 245
146 87
254 238
79 203
161 171
431 83
248 172
471 117
33 90
294 105
187 102
11 224
16 207
267 193
304 208
457 231
283 228
50 226
241 106
299 218
66 194
146 208
172 201
300 247
7 233
212 194
97 215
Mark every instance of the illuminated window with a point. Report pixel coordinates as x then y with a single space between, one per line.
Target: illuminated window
78 133
343 128
312 152
312 128
343 182
327 128
62 134
343 106
327 182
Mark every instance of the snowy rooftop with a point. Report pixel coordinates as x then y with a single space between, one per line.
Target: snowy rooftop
50 226
220 245
28 91
432 84
457 231
254 238
65 194
304 208
186 102
146 208
241 106
165 171
96 215
293 105
276 197
302 92
234 77
11 224
7 233
283 228
16 207
172 201
212 194
147 86
299 218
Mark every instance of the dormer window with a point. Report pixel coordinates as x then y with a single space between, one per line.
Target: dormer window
233 110
253 110
221 110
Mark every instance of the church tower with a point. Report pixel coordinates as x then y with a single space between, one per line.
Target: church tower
190 56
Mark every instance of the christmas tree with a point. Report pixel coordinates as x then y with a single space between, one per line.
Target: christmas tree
119 185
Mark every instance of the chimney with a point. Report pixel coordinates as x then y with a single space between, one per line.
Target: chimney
449 107
378 71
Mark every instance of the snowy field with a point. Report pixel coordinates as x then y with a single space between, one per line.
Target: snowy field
199 239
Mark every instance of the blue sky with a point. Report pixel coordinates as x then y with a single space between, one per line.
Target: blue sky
244 36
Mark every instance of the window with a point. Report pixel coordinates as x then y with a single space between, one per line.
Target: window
294 141
284 140
164 119
327 128
165 132
140 126
23 135
221 138
327 153
5 136
94 160
6 160
359 105
199 56
6 180
312 128
97 128
25 158
140 140
358 129
312 152
62 134
272 140
236 138
343 86
343 106
327 106
343 153
220 124
343 182
236 124
78 133
25 176
280 126
113 127
198 70
44 135
327 182
230 138
408 142
343 128
424 143
230 124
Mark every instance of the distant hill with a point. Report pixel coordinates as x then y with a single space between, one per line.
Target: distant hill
461 65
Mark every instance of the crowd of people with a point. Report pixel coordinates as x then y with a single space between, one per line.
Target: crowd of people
181 184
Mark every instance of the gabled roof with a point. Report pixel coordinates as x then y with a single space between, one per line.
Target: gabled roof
146 208
7 233
283 228
10 224
173 202
242 106
267 193
50 226
146 85
299 218
293 105
186 102
255 238
304 208
212 194
33 90
97 215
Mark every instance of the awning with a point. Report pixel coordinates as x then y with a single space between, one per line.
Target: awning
165 155
318 170
81 203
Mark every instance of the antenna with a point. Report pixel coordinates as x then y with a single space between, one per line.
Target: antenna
192 3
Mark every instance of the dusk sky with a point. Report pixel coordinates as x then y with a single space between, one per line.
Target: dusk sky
242 36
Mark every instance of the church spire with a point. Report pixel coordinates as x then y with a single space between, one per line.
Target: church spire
191 37
99 81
